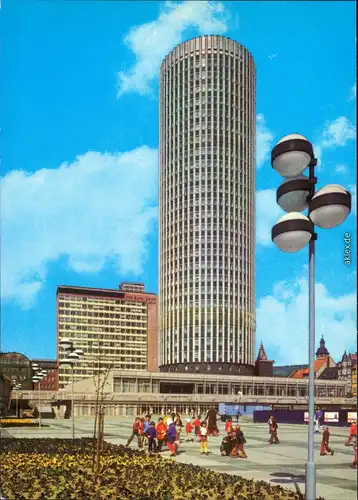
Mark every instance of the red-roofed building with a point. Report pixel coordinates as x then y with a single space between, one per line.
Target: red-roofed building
323 361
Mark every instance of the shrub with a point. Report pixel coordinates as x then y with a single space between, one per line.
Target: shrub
61 469
18 422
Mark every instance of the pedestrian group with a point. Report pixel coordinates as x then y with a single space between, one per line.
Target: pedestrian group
168 430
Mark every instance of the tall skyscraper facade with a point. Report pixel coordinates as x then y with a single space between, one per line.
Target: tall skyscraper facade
207 208
117 329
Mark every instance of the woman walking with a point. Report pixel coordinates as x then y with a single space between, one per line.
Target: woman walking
273 432
211 418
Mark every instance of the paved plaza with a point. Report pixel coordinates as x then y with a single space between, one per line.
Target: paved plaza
282 464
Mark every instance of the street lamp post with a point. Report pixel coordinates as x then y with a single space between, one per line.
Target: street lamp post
37 378
327 208
17 388
73 356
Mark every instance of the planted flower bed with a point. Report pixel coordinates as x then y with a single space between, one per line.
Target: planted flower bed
61 469
19 422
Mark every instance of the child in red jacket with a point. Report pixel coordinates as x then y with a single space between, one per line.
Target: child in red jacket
189 430
228 425
196 424
135 433
325 443
161 432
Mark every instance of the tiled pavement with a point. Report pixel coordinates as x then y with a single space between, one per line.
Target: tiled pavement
279 464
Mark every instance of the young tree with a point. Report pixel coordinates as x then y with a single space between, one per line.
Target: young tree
100 380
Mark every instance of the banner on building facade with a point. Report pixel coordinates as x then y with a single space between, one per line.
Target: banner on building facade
331 416
352 415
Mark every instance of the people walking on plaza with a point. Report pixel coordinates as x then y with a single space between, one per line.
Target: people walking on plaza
168 419
239 449
171 438
152 438
146 423
142 435
320 417
352 433
135 433
161 429
211 418
269 422
316 420
189 430
227 445
325 443
196 424
147 420
228 425
178 426
203 438
354 464
273 432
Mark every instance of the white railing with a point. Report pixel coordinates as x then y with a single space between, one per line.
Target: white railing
193 398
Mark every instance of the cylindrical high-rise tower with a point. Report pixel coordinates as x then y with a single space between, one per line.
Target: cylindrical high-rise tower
207 208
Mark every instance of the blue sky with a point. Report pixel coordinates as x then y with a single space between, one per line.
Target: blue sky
79 154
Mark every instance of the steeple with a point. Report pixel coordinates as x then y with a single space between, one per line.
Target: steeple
322 351
262 354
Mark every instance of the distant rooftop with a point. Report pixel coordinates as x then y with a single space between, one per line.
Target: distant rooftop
131 287
287 370
109 292
330 373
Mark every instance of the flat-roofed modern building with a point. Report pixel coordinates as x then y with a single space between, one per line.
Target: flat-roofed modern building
207 208
116 329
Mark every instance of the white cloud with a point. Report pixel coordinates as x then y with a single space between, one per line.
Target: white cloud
97 209
282 321
338 133
353 92
264 140
152 41
335 134
341 168
267 214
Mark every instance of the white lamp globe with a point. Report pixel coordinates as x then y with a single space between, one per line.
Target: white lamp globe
292 162
79 352
292 194
292 232
66 361
65 343
330 206
73 356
